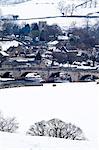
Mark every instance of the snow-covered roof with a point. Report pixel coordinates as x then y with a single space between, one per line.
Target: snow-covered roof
62 37
6 44
79 53
4 53
22 60
52 43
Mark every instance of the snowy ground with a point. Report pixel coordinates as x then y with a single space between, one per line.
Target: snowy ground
45 8
71 102
21 142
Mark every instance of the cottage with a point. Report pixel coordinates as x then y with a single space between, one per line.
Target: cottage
67 56
20 51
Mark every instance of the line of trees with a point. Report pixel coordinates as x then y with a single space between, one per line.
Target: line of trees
84 37
9 27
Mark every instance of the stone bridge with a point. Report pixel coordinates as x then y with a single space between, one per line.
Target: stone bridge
47 72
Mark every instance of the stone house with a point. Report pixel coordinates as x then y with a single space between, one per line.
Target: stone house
20 51
64 57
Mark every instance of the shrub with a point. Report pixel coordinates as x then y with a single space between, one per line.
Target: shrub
56 128
8 124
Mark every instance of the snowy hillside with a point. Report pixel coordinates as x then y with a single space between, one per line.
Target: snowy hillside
45 8
71 102
11 2
22 142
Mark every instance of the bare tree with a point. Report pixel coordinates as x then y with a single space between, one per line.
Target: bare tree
8 124
66 8
61 7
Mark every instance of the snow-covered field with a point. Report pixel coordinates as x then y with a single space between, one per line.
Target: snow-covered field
21 142
45 8
71 102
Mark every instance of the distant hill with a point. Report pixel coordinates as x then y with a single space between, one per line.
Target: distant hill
45 8
9 2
